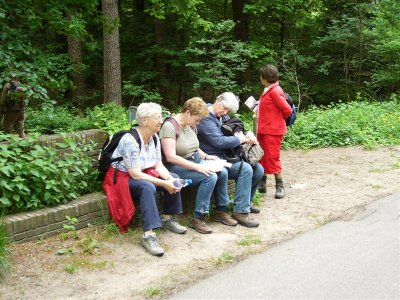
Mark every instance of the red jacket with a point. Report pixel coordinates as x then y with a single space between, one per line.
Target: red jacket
120 204
272 111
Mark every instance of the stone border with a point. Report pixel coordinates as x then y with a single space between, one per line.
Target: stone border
27 226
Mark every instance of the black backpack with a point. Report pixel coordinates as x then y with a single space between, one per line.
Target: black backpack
108 148
290 120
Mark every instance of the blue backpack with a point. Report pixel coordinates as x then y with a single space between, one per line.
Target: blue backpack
290 120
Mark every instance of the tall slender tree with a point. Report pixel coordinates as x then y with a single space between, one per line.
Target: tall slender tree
112 61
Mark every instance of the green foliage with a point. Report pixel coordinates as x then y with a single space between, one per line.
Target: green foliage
249 240
110 117
59 119
347 124
34 176
217 59
385 37
4 251
140 91
55 119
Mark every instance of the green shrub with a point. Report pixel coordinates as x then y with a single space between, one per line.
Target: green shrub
110 117
34 176
59 119
4 251
346 124
55 120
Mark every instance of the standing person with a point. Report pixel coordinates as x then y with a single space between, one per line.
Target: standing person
12 108
271 127
213 141
140 163
181 149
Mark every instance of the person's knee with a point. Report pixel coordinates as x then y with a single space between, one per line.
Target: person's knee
223 175
174 175
247 170
211 178
143 186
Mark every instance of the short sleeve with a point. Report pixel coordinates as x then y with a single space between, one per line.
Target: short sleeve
168 131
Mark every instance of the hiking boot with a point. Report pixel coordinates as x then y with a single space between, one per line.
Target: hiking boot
280 190
262 187
200 226
244 220
224 218
150 243
173 225
254 210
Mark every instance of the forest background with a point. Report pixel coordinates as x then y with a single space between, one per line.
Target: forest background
82 63
81 53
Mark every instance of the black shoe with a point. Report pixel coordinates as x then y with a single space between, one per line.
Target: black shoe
254 210
262 187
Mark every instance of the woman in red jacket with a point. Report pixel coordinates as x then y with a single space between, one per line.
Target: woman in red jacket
272 111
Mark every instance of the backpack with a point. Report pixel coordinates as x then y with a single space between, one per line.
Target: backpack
245 152
108 148
290 120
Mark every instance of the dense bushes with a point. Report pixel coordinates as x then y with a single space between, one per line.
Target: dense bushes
110 117
347 124
33 176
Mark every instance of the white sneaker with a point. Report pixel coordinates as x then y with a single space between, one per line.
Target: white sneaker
151 244
173 225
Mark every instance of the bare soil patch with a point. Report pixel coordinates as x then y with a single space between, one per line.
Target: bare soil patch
323 185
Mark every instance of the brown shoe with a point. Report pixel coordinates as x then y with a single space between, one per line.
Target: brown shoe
224 218
244 220
200 226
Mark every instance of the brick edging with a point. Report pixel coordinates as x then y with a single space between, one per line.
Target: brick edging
26 226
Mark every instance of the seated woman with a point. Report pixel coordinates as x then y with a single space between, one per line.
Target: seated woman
213 141
136 160
181 149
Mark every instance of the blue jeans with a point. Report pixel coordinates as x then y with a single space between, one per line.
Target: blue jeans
206 186
145 192
246 184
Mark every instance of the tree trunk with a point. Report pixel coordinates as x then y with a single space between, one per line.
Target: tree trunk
78 79
112 68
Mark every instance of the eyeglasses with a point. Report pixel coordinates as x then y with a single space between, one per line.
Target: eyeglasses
157 118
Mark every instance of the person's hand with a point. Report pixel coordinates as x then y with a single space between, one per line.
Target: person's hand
252 140
204 170
170 187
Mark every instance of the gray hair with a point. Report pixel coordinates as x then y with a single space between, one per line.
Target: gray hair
147 110
229 101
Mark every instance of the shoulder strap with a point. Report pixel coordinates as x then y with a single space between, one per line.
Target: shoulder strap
136 136
176 125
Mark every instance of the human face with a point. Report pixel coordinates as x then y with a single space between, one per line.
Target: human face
194 120
219 109
154 122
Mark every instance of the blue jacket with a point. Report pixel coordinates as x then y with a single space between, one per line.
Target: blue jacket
212 141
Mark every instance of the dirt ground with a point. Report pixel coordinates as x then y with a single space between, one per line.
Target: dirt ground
322 186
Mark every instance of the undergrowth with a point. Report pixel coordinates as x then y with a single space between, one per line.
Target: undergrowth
346 124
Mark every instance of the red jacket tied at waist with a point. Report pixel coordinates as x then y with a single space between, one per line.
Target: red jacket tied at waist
120 202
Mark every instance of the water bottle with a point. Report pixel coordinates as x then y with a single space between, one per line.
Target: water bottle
180 183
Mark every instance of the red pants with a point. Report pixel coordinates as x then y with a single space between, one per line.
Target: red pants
271 160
